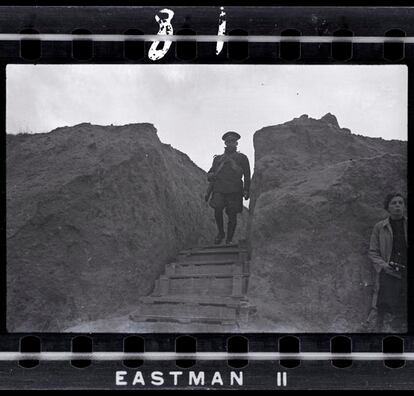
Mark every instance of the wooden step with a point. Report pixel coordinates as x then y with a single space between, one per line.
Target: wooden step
174 309
194 299
186 311
220 268
218 284
219 261
213 251
210 258
204 275
222 246
177 311
183 319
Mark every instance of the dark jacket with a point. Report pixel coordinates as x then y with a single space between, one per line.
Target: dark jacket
227 172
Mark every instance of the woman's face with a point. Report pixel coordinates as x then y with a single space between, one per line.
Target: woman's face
396 207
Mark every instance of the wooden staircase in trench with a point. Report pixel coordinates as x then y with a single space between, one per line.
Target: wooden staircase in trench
204 285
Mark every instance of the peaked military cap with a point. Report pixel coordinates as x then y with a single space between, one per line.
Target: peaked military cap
231 134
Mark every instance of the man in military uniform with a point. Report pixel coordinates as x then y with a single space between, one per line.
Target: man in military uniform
227 187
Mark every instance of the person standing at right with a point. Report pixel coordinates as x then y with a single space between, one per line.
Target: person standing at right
388 253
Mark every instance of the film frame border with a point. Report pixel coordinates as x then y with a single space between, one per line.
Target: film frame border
310 53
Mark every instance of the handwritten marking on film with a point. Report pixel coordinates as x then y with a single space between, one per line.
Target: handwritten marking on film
166 28
221 30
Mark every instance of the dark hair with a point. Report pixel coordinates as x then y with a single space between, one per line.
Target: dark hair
390 196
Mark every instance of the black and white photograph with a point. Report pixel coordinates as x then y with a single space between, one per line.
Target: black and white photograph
155 198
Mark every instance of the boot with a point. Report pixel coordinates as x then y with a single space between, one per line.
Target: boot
219 238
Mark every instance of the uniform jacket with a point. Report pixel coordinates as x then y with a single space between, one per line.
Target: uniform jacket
227 172
380 249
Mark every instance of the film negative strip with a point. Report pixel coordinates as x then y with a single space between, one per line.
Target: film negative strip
206 198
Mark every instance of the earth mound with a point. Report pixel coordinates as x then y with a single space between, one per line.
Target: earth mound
317 190
93 215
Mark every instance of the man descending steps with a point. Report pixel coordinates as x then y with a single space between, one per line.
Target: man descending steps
226 187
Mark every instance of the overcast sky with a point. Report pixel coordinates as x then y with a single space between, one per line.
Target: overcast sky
193 105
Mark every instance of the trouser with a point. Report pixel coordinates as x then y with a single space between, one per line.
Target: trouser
233 204
231 225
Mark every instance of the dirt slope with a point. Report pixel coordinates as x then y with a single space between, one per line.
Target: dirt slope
317 192
93 214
